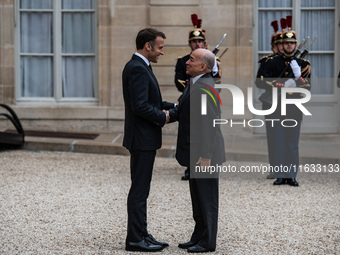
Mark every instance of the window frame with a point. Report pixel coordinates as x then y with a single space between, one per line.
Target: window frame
57 98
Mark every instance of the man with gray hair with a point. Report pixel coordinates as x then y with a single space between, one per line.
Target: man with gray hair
200 145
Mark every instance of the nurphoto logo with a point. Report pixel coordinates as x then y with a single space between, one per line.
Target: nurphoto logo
204 98
238 105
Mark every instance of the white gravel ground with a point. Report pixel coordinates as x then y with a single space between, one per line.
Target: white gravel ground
69 203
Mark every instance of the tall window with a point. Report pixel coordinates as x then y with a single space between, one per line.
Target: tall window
310 18
318 18
57 51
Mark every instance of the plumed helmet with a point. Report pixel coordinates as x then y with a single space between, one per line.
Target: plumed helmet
196 33
275 26
289 35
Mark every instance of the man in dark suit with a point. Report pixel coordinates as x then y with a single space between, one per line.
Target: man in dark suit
144 118
200 145
196 40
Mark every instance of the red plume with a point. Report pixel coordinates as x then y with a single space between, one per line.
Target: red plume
275 25
194 19
199 23
289 21
283 23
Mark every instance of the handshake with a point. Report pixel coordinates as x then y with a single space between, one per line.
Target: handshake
173 109
167 116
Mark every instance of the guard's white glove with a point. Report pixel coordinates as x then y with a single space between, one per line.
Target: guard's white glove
215 68
290 83
296 69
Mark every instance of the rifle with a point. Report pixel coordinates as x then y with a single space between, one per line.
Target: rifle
305 52
216 50
298 50
223 53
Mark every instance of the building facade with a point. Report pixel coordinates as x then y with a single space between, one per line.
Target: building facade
61 61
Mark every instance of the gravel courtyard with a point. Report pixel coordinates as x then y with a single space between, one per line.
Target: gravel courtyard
72 203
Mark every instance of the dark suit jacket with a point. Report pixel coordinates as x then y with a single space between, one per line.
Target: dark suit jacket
196 135
143 107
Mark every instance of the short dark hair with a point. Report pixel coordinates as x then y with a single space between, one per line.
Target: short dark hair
147 35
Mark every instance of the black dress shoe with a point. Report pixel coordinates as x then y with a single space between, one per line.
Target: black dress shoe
292 182
142 246
187 245
279 181
198 249
152 240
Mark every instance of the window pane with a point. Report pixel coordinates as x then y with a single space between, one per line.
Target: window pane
36 76
78 4
265 29
36 4
78 76
78 33
322 73
36 32
320 23
275 3
318 3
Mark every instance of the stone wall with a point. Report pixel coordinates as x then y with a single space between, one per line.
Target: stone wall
7 52
174 19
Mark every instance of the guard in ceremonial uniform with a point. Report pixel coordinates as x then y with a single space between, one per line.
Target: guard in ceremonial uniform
274 49
197 40
279 38
275 42
277 49
288 72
